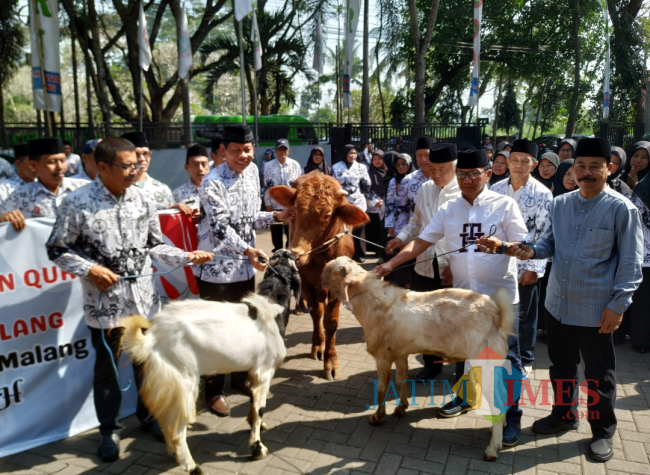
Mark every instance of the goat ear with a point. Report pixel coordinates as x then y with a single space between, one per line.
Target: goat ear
343 294
283 195
352 216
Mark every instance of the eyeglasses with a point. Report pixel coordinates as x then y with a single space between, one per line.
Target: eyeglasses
127 168
473 175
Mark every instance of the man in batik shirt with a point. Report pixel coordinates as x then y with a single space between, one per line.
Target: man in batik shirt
25 173
196 166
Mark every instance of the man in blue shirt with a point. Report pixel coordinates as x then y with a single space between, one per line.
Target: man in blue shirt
596 242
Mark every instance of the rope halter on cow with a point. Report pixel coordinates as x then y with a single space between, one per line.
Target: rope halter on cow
326 245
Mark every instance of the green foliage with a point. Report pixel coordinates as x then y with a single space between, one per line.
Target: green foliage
509 112
12 40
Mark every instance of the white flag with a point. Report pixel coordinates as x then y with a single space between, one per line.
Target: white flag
242 8
319 46
257 48
48 23
143 40
478 14
184 48
351 22
606 92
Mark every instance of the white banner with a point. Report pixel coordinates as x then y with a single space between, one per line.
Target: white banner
144 49
351 22
473 92
319 48
46 354
44 31
257 48
606 93
184 47
242 8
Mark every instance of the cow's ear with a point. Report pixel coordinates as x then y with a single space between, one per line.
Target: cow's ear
352 216
283 195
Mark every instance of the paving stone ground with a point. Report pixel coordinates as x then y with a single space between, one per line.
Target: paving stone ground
319 427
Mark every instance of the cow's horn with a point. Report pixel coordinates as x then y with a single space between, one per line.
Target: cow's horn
342 192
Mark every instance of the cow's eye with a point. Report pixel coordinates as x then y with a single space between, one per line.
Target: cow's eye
327 216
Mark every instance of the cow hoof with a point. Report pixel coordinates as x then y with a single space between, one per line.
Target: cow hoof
332 374
399 411
264 427
259 451
196 471
375 420
316 354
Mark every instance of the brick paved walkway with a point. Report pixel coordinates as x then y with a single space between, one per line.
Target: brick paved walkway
320 427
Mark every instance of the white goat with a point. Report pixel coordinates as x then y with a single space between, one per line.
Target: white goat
191 338
455 324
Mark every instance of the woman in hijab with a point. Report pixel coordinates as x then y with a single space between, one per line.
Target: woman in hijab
615 182
501 146
499 168
564 180
546 169
317 162
637 168
354 179
489 150
394 206
566 149
375 201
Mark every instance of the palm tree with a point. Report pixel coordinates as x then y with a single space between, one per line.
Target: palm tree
11 45
283 57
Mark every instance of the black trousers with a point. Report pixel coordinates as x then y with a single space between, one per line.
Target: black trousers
528 314
106 392
233 293
639 313
565 345
422 283
277 231
541 309
375 232
359 246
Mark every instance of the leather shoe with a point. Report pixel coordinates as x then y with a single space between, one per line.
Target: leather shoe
552 424
601 450
454 408
219 406
154 429
243 387
511 433
109 447
429 372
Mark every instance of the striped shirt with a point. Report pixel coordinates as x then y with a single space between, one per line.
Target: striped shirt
597 259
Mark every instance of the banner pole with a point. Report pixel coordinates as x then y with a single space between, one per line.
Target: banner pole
257 137
141 98
318 110
37 26
241 70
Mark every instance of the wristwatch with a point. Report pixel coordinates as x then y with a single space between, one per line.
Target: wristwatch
503 249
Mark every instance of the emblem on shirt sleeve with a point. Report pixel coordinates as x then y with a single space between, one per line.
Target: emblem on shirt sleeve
36 210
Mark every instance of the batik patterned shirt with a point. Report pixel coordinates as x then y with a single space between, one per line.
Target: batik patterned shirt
372 201
6 169
276 174
405 204
74 165
230 213
82 175
533 202
123 234
187 193
35 201
351 180
645 221
8 186
157 191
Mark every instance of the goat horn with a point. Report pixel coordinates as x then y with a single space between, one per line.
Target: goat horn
293 266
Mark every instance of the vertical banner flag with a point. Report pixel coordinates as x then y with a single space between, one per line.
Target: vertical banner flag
351 22
44 15
319 46
257 48
478 14
143 41
184 48
242 8
606 95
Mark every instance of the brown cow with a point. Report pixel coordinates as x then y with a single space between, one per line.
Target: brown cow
322 212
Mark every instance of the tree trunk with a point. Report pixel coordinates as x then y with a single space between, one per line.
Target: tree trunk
495 126
3 140
365 88
539 106
378 71
573 109
523 107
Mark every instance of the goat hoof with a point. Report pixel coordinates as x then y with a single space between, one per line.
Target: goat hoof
259 451
490 456
196 471
264 427
376 420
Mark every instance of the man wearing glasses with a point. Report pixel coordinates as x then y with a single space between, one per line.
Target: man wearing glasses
160 193
476 213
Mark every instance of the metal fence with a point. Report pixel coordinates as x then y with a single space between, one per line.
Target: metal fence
622 135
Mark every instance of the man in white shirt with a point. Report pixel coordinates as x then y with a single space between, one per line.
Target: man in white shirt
74 160
431 272
89 170
281 171
533 199
366 155
196 166
461 222
25 173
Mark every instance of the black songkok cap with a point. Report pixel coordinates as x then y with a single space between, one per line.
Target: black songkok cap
21 151
197 150
238 134
216 141
443 153
525 146
472 159
46 146
595 147
425 142
138 139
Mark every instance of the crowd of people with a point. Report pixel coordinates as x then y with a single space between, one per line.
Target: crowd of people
566 232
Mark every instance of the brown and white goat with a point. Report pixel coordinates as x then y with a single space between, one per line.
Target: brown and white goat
455 324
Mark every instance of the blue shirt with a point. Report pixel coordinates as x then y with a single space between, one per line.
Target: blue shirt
597 249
